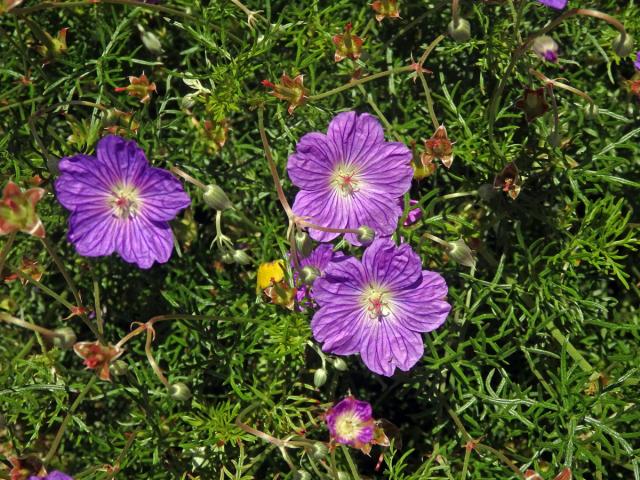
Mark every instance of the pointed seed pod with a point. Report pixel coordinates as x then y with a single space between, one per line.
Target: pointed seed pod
340 364
320 377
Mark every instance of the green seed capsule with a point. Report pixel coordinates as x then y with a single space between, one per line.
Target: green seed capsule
179 391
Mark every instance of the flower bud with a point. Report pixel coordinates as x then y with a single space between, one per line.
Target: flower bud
623 44
119 368
546 48
215 198
65 338
460 31
340 364
320 377
319 451
188 101
179 391
365 235
240 257
152 42
461 253
308 274
227 257
303 244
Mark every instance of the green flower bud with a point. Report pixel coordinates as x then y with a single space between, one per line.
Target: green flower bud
179 391
215 198
119 368
240 257
308 274
460 31
189 100
65 338
227 257
319 451
340 364
623 44
320 377
303 244
461 253
152 42
365 235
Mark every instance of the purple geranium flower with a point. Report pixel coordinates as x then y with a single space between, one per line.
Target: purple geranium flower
379 306
637 62
350 177
350 422
119 203
557 4
55 475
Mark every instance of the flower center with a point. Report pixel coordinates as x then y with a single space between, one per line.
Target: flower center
348 426
125 201
345 180
376 301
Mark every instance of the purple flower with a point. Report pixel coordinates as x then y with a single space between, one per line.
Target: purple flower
637 62
414 214
350 422
119 203
55 475
319 259
350 177
379 306
557 4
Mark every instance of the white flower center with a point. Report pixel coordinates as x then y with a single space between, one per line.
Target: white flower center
376 301
124 201
345 179
348 425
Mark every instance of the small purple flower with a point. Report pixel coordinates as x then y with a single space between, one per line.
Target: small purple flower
637 62
119 203
546 48
378 307
557 4
350 422
350 177
414 214
55 475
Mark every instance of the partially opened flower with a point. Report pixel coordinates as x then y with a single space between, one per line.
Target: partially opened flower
557 4
18 211
385 9
97 356
350 177
347 45
379 306
139 87
119 203
546 48
509 181
350 422
291 90
533 103
55 475
438 147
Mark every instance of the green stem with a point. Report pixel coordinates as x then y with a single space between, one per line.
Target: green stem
427 94
379 113
5 317
98 307
67 419
352 466
63 271
152 360
334 468
465 465
5 251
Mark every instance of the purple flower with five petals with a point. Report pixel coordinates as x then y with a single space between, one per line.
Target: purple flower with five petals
557 4
350 177
379 306
350 422
55 475
119 203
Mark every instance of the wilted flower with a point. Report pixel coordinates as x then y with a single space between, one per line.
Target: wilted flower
350 177
557 4
29 268
438 147
119 203
281 293
533 103
117 122
379 306
139 87
213 132
18 211
347 45
97 356
386 9
291 90
508 180
546 48
268 274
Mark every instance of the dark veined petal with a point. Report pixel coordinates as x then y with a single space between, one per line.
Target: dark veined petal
123 159
389 346
394 267
143 242
162 195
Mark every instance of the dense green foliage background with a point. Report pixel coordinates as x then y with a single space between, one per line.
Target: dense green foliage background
539 357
